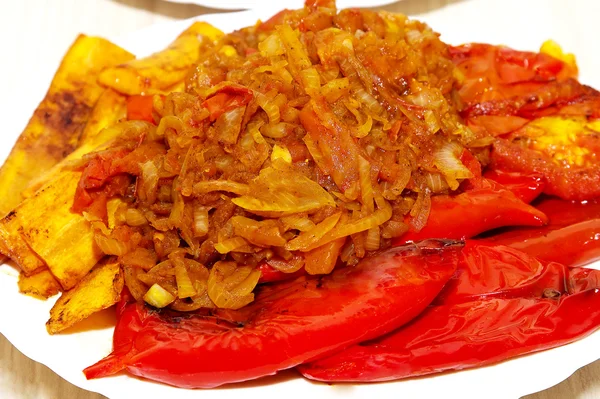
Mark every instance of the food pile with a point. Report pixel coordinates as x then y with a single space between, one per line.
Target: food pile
314 138
233 191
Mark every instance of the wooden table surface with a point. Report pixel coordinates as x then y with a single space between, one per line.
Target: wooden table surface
38 32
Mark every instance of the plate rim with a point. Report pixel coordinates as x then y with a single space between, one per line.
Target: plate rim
540 383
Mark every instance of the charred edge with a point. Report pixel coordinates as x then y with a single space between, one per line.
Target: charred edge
428 246
319 282
64 114
10 216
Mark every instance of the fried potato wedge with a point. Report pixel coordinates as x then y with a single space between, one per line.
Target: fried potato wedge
54 129
99 290
110 108
42 231
40 285
161 70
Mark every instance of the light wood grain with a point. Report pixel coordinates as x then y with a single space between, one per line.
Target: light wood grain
36 33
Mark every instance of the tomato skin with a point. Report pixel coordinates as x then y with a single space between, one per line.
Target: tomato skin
287 324
572 236
484 315
340 150
94 187
474 211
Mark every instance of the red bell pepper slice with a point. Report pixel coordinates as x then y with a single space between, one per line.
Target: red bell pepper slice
565 213
504 314
287 324
526 187
572 236
474 211
461 336
496 271
574 245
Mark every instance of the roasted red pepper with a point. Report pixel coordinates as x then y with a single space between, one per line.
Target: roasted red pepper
287 324
496 271
474 211
456 337
506 312
572 236
526 187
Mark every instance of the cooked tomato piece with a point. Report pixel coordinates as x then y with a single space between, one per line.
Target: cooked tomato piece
226 99
495 73
560 148
140 108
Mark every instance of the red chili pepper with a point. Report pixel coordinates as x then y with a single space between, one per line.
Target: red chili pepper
225 99
472 212
287 324
455 335
572 236
487 207
140 108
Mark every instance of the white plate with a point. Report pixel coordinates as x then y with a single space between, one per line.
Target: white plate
22 318
276 5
